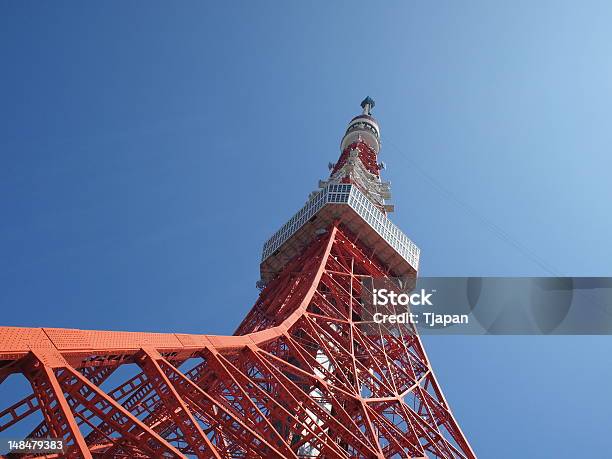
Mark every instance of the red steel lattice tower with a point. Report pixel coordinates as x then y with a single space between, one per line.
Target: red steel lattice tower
301 377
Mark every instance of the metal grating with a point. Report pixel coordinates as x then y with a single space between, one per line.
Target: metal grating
346 194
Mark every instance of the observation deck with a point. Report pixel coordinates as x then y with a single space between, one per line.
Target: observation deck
346 203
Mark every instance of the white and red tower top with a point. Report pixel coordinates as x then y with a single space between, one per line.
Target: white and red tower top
358 163
354 196
363 135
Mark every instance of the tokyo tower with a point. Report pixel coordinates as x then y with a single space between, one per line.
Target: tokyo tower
300 378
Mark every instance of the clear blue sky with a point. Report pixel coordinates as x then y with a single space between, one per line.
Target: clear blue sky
148 150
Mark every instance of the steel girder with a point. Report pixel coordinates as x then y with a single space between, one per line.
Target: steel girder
300 378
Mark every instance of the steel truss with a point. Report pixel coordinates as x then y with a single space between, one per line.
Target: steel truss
300 378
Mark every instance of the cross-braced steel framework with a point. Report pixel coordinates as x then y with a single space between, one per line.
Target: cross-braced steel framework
305 375
302 379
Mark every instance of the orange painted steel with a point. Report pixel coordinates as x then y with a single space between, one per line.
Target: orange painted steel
300 378
305 375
